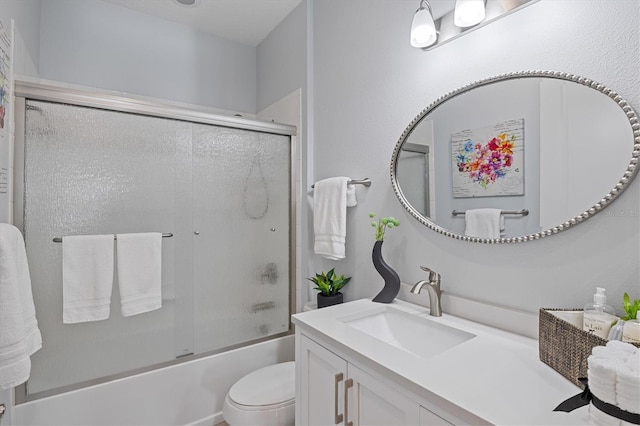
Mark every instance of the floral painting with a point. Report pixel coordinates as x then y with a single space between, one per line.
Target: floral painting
488 161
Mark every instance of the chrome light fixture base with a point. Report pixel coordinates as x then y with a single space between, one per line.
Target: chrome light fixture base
447 30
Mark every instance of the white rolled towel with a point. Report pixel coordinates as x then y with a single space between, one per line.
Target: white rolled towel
602 377
599 418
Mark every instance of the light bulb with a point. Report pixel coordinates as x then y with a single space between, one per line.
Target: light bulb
468 13
423 29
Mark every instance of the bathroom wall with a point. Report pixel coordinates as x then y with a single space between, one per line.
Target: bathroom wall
369 84
26 51
98 44
282 69
26 14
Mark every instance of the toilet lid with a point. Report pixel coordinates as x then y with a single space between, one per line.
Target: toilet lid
267 386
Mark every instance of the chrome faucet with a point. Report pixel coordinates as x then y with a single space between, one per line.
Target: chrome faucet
433 286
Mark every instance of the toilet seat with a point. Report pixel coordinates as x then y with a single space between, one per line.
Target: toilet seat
263 397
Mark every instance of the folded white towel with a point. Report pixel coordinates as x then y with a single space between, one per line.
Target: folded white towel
483 223
19 333
87 277
139 272
330 217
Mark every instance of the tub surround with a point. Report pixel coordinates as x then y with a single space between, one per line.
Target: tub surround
495 377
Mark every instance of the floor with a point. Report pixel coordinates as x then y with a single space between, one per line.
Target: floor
222 424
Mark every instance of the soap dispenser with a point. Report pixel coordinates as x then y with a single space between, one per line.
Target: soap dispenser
598 316
631 331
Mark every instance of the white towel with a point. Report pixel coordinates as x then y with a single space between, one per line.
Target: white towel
483 223
87 277
139 272
19 333
330 217
352 200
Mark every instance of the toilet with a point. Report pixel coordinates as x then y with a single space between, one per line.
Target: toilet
263 397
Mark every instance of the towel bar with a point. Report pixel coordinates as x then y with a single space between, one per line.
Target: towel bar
523 212
365 182
59 239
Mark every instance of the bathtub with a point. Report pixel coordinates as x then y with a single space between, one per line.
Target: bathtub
191 393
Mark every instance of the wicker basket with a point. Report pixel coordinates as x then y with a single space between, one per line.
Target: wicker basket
563 346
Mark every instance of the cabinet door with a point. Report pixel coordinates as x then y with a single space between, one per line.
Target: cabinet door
371 402
319 384
428 418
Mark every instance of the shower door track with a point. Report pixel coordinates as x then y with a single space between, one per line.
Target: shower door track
25 90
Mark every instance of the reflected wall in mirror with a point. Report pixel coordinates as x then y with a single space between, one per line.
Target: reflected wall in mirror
548 149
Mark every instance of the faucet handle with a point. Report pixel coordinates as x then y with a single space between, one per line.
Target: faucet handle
428 270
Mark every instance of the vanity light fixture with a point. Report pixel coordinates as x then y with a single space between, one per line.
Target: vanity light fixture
466 17
423 29
468 13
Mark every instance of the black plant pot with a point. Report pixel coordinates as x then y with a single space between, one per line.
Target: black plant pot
390 277
324 301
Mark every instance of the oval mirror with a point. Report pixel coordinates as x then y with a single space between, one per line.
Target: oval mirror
545 150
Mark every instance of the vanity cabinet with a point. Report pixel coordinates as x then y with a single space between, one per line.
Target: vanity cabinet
333 391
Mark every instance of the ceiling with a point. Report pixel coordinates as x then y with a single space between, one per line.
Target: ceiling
244 21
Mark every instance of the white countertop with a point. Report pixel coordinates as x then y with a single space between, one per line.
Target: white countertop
497 375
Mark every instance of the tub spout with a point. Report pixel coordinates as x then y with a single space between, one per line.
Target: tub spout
433 287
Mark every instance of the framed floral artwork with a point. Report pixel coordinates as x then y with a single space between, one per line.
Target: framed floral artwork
489 161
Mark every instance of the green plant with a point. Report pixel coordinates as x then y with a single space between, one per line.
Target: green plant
382 224
330 283
631 309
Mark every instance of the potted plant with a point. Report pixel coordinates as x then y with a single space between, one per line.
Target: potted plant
328 286
390 277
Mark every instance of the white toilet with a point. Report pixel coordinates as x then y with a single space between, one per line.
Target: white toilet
263 397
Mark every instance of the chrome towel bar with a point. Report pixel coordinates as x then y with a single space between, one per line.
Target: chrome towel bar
523 212
365 182
59 239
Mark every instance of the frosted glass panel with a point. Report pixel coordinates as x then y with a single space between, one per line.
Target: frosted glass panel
92 171
241 252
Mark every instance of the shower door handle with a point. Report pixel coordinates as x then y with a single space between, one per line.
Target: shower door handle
337 417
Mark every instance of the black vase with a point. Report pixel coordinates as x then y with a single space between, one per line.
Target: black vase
324 301
390 277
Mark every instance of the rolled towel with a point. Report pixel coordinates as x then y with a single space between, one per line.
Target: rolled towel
602 378
617 345
599 418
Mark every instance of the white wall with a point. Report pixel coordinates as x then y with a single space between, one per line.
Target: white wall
97 44
369 84
282 68
26 14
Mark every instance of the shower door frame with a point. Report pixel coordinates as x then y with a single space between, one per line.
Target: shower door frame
25 90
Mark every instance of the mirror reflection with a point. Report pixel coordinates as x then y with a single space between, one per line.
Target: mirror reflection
541 148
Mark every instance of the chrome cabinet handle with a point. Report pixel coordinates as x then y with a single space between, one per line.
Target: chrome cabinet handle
338 417
348 384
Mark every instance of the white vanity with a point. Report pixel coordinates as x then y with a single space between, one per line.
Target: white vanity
365 363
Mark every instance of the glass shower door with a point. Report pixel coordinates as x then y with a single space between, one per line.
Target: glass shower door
92 171
241 236
223 193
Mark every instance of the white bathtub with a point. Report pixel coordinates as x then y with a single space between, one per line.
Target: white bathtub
191 393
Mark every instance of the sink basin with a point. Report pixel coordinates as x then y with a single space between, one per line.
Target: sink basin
412 333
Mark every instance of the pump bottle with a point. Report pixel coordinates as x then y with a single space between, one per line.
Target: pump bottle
598 316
